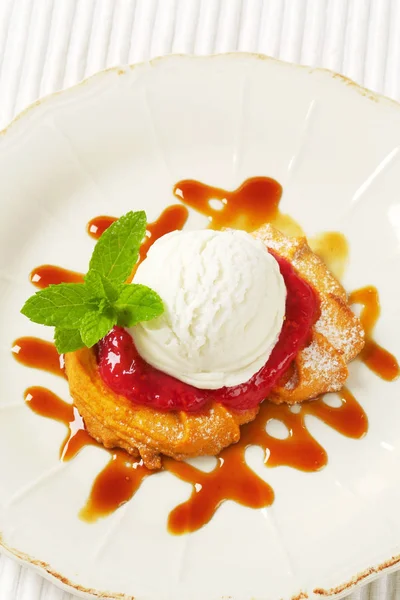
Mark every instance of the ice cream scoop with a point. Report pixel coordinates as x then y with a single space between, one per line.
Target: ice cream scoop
224 299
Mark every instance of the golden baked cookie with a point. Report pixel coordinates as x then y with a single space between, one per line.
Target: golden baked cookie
337 336
115 421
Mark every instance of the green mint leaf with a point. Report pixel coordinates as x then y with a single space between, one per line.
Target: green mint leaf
101 287
67 340
137 303
84 313
117 251
96 324
62 305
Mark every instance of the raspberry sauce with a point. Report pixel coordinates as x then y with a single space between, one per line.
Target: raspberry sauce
126 373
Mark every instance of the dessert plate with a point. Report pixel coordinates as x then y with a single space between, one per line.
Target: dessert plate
120 141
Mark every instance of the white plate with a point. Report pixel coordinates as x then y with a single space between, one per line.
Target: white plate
120 141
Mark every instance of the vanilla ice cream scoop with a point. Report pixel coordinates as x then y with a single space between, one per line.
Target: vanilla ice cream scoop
224 299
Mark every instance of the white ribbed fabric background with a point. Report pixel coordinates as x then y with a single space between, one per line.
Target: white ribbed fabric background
46 45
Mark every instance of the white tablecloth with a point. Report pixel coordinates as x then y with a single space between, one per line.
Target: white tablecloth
46 45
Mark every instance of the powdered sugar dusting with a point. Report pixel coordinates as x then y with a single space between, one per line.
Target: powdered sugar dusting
341 328
324 364
291 383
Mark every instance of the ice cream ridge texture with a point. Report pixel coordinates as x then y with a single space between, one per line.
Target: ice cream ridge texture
224 299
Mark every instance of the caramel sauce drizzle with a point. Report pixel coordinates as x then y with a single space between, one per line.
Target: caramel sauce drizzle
379 360
248 207
46 404
114 486
97 226
38 354
231 479
46 275
255 202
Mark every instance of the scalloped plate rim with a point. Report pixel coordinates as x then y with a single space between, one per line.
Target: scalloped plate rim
367 575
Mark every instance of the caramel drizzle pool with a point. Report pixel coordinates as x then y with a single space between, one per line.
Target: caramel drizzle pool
252 204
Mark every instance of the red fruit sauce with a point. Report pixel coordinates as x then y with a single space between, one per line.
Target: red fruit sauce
126 373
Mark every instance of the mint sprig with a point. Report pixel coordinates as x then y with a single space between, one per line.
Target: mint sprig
83 313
